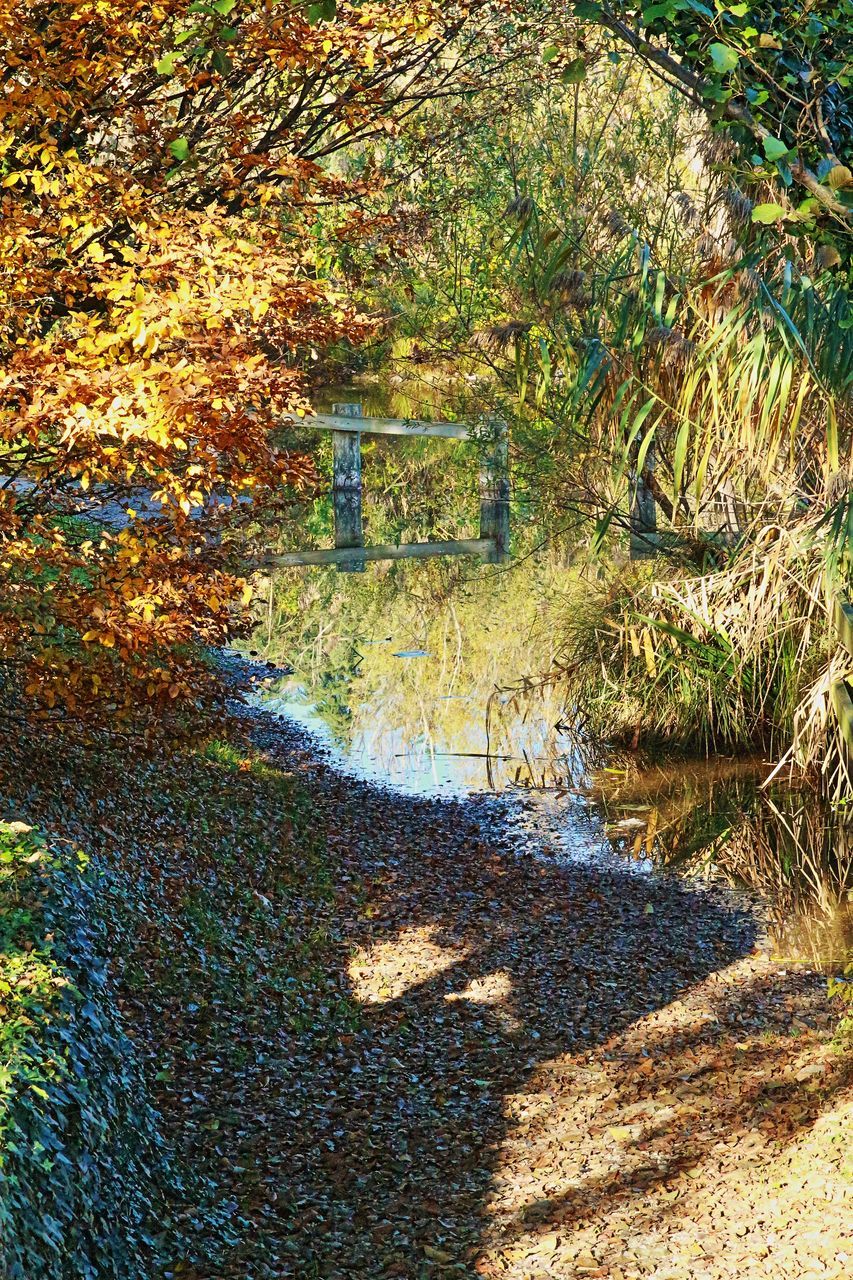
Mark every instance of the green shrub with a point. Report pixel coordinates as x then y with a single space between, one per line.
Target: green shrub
79 1151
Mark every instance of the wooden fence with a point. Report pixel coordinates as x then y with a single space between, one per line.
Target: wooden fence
349 554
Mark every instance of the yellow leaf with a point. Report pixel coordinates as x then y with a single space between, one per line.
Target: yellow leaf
651 665
839 177
621 1133
437 1255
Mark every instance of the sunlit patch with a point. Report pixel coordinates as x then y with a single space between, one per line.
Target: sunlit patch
494 990
387 970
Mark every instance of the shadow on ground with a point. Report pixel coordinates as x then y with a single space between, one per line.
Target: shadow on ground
422 1065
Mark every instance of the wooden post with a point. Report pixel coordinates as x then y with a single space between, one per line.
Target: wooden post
346 490
494 495
644 514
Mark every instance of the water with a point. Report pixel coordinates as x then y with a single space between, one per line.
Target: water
427 677
376 751
409 694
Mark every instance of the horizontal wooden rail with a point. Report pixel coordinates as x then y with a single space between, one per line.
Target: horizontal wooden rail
349 554
390 551
389 426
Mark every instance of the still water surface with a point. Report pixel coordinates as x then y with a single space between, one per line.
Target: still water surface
428 677
422 709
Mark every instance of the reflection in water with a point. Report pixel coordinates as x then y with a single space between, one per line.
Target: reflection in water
399 672
398 680
718 822
428 396
396 670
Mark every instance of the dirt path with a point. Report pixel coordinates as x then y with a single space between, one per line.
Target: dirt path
395 1044
557 1071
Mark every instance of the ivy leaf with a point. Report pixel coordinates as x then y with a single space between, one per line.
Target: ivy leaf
180 149
774 148
767 213
723 58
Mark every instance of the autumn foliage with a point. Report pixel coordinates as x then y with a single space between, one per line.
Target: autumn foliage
160 165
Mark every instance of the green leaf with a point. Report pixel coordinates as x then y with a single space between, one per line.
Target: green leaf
774 148
660 292
324 11
723 58
574 72
767 213
832 437
645 445
679 455
549 53
180 149
662 10
602 525
224 6
166 66
637 424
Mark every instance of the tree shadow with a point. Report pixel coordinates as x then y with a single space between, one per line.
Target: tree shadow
452 1022
473 966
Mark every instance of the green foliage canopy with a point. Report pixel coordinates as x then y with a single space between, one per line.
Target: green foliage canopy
778 75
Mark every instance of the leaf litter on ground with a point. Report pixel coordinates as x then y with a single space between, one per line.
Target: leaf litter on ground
393 1042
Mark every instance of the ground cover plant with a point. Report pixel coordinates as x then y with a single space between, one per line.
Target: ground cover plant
82 1162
